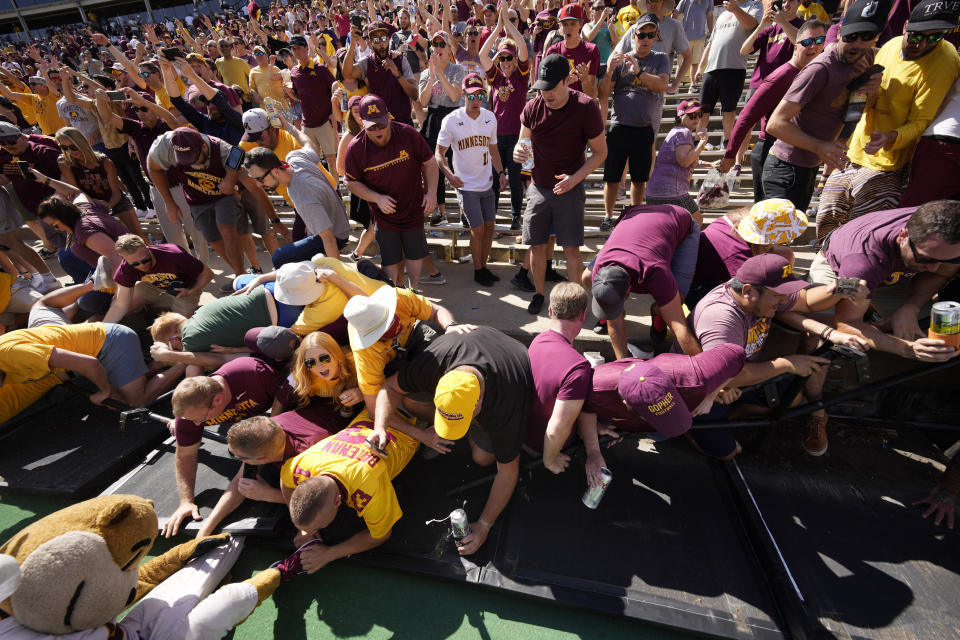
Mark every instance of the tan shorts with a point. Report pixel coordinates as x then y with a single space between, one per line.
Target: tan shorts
160 299
324 138
696 50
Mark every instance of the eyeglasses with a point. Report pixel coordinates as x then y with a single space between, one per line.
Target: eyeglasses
472 32
480 95
922 259
69 147
310 363
379 39
440 45
917 38
260 179
645 35
806 42
143 262
865 36
178 339
506 58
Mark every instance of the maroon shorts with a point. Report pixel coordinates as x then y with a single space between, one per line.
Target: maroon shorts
933 171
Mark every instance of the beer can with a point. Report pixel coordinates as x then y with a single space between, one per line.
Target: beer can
459 525
344 102
593 495
527 145
945 318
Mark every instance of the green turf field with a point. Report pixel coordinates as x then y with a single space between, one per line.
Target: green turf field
348 601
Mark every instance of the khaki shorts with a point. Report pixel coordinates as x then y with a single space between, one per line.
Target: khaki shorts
696 50
160 299
324 138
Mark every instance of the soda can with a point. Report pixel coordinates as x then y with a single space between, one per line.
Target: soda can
459 525
344 102
593 495
945 318
527 145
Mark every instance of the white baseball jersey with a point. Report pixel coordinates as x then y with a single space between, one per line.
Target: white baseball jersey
470 140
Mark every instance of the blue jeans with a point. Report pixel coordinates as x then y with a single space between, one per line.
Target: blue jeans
302 250
93 302
684 261
287 314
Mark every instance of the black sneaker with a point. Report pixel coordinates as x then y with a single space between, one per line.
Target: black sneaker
436 218
552 276
464 221
606 224
536 305
601 329
481 277
254 270
491 274
522 281
516 224
46 254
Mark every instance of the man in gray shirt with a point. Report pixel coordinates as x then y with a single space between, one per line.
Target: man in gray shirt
315 199
724 67
672 41
637 80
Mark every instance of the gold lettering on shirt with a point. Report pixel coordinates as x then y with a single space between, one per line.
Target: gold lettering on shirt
403 157
473 141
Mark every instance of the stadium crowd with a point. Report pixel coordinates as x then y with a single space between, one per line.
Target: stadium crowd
329 356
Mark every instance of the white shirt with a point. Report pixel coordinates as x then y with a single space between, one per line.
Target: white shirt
947 122
470 140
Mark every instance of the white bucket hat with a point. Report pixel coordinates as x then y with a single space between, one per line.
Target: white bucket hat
772 221
297 284
369 317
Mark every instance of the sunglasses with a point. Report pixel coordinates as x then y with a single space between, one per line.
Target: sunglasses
917 38
922 259
864 36
379 39
514 19
310 363
472 32
645 35
376 127
806 42
145 74
480 95
138 263
506 58
143 109
69 147
236 457
440 45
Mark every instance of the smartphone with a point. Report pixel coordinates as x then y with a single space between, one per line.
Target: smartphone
116 96
25 171
846 286
235 159
777 5
171 53
250 471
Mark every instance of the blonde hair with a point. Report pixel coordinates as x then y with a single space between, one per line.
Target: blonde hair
128 243
195 392
311 498
568 300
74 136
306 385
166 325
253 435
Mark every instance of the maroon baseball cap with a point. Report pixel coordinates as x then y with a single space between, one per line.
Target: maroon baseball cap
653 396
571 11
688 106
377 25
186 145
373 110
771 271
472 83
696 377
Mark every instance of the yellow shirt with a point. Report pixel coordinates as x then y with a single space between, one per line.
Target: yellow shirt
163 98
363 475
285 144
44 110
910 95
372 360
25 353
6 281
269 84
815 10
234 71
329 306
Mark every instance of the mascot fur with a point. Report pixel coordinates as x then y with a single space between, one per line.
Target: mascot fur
70 574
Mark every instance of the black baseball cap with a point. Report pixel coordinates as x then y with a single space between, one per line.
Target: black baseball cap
298 41
865 16
609 290
934 14
553 70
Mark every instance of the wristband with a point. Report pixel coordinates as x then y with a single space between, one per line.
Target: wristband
275 221
451 324
485 523
826 333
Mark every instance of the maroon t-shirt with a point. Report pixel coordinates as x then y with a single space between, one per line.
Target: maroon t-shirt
313 88
720 254
560 135
866 247
95 219
507 96
394 170
775 50
643 243
252 383
172 267
382 82
308 425
41 157
584 53
143 136
560 372
769 92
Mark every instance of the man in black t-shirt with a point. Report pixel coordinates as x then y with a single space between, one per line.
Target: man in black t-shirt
478 382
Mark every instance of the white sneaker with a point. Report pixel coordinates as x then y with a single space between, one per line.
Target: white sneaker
103 276
36 281
48 283
149 214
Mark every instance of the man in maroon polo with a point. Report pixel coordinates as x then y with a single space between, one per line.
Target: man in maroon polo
312 81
